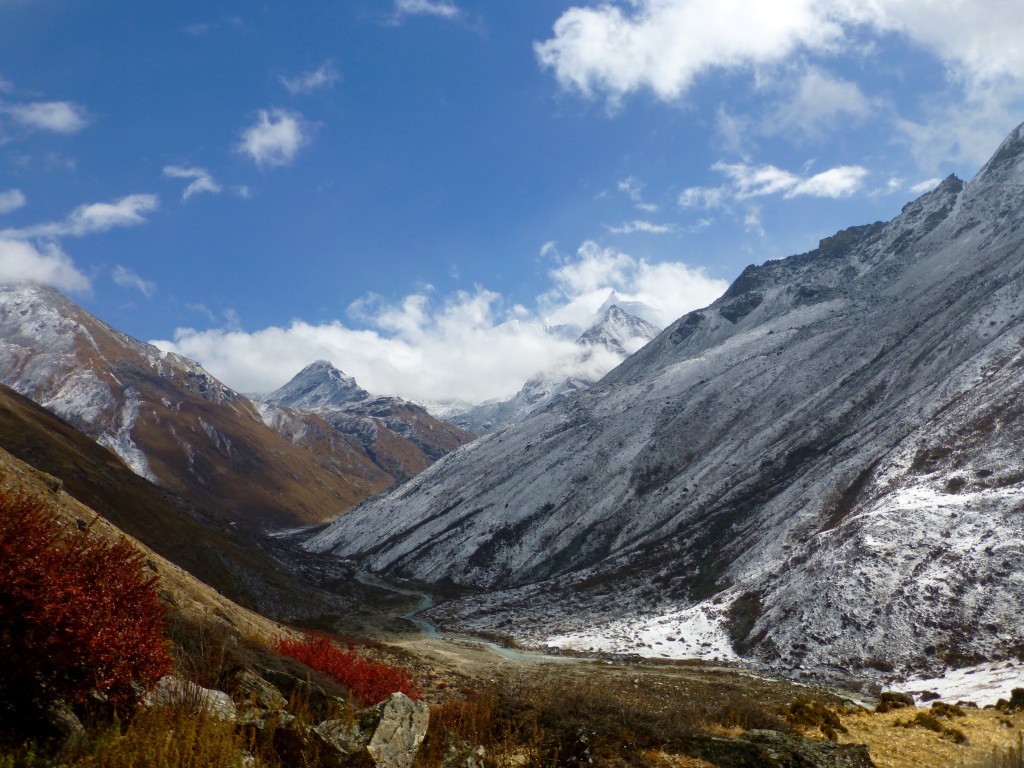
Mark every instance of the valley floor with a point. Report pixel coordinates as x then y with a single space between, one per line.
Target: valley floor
725 699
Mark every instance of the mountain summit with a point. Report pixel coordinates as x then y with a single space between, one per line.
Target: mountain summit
619 331
319 385
819 470
615 335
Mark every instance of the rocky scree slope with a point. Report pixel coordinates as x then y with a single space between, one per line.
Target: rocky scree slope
400 437
174 423
617 332
827 459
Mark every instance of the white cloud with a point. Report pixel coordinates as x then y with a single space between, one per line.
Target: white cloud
276 137
663 45
93 218
48 265
815 104
581 285
752 221
702 197
618 47
439 8
202 181
470 346
323 76
6 86
757 181
633 187
925 186
639 225
965 130
54 116
126 278
11 200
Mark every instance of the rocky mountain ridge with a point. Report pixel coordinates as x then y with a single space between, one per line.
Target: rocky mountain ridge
174 423
820 470
400 437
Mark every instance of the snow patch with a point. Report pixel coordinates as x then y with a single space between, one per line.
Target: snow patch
697 632
984 684
120 439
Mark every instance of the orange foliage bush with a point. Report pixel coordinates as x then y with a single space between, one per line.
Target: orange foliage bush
77 614
369 681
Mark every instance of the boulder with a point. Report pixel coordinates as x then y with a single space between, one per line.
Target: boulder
385 736
401 730
172 691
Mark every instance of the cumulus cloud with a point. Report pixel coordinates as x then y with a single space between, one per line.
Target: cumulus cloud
619 47
11 200
581 284
201 180
126 278
92 218
468 347
663 45
54 116
275 138
323 76
47 264
439 8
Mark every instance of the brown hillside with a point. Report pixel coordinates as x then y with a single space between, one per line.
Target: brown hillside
210 548
174 423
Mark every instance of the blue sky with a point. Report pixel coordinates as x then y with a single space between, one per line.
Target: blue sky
414 189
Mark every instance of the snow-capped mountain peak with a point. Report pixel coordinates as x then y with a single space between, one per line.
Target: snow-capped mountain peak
619 331
319 385
616 331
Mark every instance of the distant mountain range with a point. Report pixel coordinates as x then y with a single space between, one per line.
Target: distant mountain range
821 470
253 464
616 331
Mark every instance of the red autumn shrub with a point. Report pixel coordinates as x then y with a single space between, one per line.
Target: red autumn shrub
369 681
77 613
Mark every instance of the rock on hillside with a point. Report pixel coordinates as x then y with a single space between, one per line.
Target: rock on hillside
823 466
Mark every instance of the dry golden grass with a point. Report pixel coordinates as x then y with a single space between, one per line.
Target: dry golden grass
171 738
894 746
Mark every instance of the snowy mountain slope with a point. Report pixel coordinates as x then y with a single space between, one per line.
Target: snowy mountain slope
830 453
618 331
398 436
318 385
172 422
615 336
